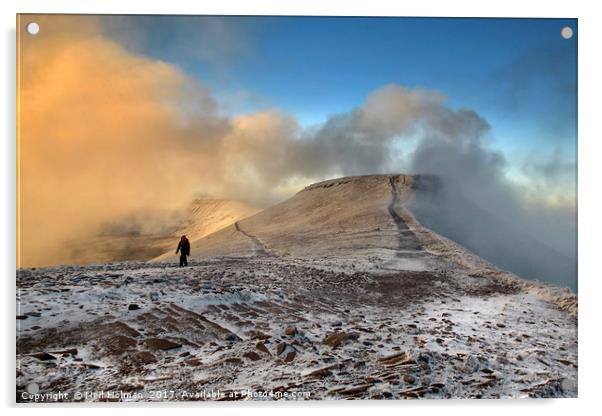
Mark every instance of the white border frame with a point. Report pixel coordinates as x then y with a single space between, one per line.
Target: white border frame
590 209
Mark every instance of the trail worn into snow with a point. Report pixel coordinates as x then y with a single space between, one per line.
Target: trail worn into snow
259 247
407 238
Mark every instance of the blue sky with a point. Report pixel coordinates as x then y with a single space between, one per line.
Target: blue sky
519 74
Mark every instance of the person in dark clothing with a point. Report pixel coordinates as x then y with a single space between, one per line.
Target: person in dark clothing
184 249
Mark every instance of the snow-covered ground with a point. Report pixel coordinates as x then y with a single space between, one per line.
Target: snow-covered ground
393 311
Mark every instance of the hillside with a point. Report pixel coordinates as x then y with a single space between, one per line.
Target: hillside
337 293
340 219
144 237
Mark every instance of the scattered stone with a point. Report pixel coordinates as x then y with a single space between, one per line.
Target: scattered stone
321 372
146 357
401 358
280 348
35 314
335 339
409 379
356 389
290 356
133 307
233 360
118 344
43 356
290 331
258 335
435 387
566 362
261 347
123 328
21 317
161 344
353 336
252 355
470 364
194 362
70 351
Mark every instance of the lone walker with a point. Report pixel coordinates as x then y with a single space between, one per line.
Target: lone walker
184 249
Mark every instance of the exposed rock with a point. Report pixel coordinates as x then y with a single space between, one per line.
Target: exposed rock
252 355
118 344
146 357
120 328
321 372
353 336
356 389
401 358
194 362
258 335
161 344
233 360
335 339
44 356
290 331
70 351
290 356
409 379
261 347
470 364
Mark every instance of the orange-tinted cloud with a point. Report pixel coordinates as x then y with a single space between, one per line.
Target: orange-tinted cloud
102 133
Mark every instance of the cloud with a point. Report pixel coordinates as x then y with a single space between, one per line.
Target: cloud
103 133
109 136
549 66
217 41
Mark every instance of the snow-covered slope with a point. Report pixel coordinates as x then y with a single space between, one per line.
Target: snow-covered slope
148 236
335 293
208 216
341 219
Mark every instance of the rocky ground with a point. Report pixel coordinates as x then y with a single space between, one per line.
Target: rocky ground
270 326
